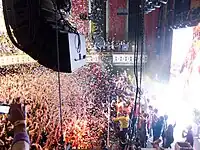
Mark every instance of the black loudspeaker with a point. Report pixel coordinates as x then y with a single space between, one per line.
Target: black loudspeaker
38 28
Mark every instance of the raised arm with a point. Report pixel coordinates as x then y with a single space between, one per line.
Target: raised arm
17 118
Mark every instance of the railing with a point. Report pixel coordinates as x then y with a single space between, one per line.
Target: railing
15 59
122 59
25 59
92 58
127 59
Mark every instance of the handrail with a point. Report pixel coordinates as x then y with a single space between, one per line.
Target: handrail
24 59
15 59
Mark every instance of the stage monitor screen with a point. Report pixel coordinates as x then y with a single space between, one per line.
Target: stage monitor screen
182 41
183 95
185 62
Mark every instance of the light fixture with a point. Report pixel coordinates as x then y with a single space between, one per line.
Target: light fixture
164 1
157 4
150 6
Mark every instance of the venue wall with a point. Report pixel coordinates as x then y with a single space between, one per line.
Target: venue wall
151 23
117 24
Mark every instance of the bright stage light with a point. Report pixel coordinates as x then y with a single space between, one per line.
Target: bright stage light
184 82
182 41
169 102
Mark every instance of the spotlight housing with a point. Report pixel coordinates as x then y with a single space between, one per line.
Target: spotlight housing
164 1
157 4
150 6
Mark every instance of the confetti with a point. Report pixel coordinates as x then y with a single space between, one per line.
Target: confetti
85 95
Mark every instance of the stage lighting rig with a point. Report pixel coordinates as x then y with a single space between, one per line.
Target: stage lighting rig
157 4
146 10
151 5
164 1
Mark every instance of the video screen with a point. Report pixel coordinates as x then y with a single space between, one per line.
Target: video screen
184 76
185 62
182 41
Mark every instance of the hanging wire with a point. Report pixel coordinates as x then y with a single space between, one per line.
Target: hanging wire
142 43
141 54
136 67
135 72
71 29
58 75
139 36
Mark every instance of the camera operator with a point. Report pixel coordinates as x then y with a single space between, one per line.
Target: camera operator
18 118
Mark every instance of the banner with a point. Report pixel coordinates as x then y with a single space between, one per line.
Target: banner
127 59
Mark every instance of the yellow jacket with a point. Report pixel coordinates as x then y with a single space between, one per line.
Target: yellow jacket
124 121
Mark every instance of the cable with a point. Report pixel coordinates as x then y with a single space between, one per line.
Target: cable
142 43
139 36
133 113
58 74
72 30
141 54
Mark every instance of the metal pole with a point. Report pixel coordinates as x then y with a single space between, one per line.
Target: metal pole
108 132
90 11
107 19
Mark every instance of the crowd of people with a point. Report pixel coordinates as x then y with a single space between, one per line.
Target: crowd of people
152 127
83 116
85 96
150 124
6 47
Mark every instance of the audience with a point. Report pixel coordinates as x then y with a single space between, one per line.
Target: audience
189 136
6 47
17 118
83 116
84 96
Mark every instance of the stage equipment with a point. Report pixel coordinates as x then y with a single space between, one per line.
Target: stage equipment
40 29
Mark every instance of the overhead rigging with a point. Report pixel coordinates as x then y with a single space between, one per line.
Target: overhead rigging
138 71
151 5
